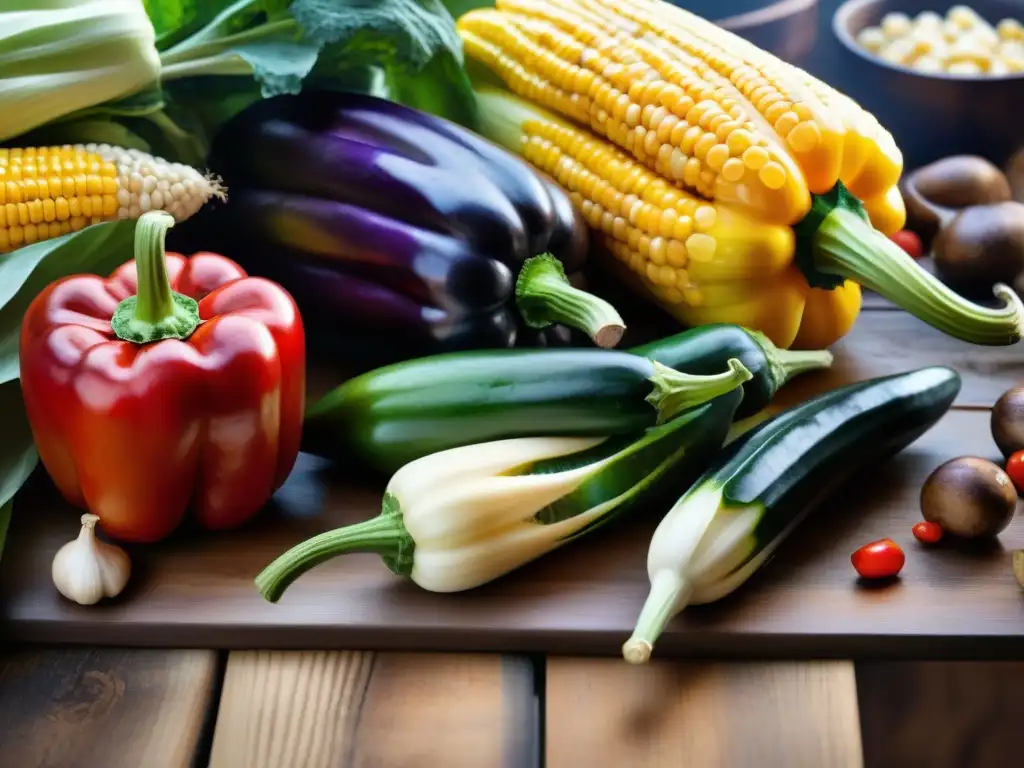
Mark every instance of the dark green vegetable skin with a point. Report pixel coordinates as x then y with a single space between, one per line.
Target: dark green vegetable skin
703 351
401 412
788 464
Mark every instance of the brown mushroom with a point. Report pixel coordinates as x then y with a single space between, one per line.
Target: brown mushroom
978 244
1015 175
969 497
1007 421
953 182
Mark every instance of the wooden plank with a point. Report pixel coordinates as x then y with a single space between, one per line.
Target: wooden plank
772 715
885 342
325 709
579 600
583 599
112 708
941 714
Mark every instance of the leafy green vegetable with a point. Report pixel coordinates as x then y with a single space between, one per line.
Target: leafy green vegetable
5 522
218 56
97 249
18 455
57 58
17 450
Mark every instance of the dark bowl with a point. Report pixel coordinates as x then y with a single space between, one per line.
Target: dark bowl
932 116
784 28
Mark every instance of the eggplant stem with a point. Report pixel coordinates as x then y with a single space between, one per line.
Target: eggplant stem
848 246
385 535
544 296
668 595
675 391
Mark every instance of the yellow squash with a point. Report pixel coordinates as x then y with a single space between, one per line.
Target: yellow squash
727 184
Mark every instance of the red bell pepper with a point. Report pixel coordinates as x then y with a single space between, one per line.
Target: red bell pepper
175 382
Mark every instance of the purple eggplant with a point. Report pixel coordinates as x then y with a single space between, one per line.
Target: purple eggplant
391 224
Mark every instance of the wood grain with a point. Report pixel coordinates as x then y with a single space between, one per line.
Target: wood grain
357 710
111 708
584 598
772 715
884 342
941 714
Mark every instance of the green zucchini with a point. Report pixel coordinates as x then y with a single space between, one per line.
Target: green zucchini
762 485
702 351
459 518
399 413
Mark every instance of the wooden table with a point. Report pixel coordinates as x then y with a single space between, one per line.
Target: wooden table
153 708
115 708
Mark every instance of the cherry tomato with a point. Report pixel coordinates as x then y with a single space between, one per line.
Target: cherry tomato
909 242
927 532
878 560
1015 469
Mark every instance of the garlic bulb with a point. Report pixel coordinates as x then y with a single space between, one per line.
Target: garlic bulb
86 570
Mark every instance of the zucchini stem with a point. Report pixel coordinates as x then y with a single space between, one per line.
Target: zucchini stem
385 535
545 296
786 364
675 391
668 595
847 245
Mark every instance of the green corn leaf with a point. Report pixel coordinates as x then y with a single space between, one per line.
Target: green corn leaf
5 522
17 451
97 249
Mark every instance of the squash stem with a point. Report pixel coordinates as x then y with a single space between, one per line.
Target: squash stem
675 391
847 245
786 364
545 296
385 535
668 595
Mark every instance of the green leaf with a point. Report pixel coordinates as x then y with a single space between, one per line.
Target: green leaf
5 522
458 7
413 43
441 87
18 455
396 34
17 449
279 66
97 249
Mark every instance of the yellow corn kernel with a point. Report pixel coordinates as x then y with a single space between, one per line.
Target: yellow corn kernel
48 191
635 87
681 248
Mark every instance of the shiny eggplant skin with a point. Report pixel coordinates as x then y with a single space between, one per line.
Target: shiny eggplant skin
429 218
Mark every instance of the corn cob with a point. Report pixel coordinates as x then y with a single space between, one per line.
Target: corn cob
692 102
729 185
46 192
708 262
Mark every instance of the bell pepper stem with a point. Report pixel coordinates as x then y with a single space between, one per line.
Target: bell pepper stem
155 312
675 392
544 296
669 593
847 245
385 535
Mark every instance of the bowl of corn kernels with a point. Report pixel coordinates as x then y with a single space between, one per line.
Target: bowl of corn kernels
943 78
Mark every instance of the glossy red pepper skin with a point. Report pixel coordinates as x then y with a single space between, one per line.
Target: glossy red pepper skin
139 433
